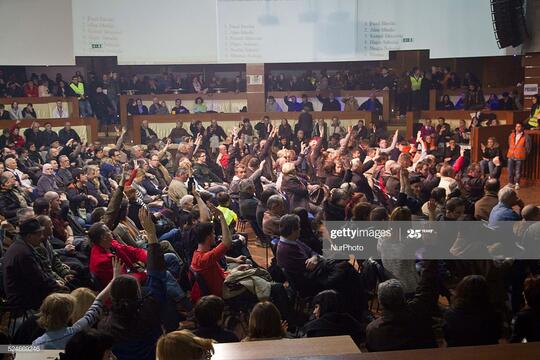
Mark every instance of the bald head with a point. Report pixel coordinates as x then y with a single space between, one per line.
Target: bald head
492 186
51 195
531 213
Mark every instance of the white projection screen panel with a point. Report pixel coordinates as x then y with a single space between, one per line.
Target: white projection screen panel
53 32
36 32
146 32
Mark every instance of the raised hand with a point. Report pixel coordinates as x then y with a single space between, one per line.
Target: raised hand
148 225
261 165
215 211
117 266
125 174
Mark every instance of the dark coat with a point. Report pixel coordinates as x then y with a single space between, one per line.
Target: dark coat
145 139
46 183
305 123
26 285
64 136
296 191
48 137
336 324
526 325
10 203
409 327
462 327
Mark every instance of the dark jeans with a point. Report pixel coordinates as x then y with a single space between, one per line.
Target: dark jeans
488 167
175 295
85 109
514 170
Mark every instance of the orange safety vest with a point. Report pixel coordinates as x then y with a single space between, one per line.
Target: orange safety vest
516 151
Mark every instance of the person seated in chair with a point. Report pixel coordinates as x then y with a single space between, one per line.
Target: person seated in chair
405 324
209 313
293 256
331 320
206 260
275 208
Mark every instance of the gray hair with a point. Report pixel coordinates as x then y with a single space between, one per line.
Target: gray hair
505 194
186 199
288 224
182 171
25 213
390 294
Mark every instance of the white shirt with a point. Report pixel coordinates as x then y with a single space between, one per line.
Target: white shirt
16 114
26 183
517 137
57 114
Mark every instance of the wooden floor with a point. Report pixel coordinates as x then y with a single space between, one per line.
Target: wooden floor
530 194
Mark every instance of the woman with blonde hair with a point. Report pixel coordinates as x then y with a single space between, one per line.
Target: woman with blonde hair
183 344
265 323
491 163
84 297
56 312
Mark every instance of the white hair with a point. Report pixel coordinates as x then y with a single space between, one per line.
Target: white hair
186 199
505 194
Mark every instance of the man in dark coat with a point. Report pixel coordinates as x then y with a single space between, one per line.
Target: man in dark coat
26 285
11 197
405 324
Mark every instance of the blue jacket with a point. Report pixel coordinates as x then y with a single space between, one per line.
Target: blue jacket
293 105
502 213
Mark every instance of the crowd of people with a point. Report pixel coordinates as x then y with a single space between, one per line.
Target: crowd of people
411 89
473 99
141 250
99 97
375 78
43 86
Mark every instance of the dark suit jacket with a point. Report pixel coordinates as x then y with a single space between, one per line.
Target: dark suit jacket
9 203
411 326
25 283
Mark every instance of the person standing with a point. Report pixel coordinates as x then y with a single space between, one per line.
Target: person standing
519 146
416 86
76 88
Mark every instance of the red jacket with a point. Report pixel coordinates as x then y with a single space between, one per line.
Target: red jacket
17 140
207 265
30 91
101 263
